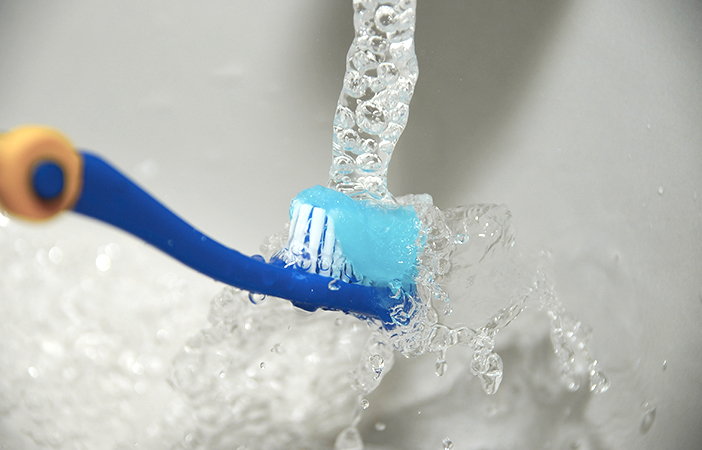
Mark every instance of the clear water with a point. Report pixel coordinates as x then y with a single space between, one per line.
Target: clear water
373 107
91 345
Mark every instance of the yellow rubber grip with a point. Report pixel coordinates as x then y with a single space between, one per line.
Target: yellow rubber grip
21 149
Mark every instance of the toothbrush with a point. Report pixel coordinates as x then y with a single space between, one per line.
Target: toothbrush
42 174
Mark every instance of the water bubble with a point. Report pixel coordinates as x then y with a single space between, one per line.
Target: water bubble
648 418
392 132
347 139
386 147
371 117
103 262
405 89
389 99
369 162
365 404
400 114
334 285
363 61
378 45
388 73
355 84
344 165
447 443
386 19
375 186
55 255
137 368
343 117
256 298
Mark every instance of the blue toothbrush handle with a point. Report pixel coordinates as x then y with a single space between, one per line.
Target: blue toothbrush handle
105 194
112 198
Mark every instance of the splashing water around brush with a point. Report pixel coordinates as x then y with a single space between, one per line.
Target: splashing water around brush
463 249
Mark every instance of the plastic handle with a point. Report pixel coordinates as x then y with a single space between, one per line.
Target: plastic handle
40 172
102 192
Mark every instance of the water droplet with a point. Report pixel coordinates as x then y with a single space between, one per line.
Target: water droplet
349 439
441 367
33 372
363 61
334 285
392 132
380 426
355 84
344 165
665 365
103 262
598 382
386 19
262 365
388 73
447 443
347 139
462 238
256 298
648 418
258 258
369 162
371 117
365 404
660 190
277 348
55 255
377 363
378 45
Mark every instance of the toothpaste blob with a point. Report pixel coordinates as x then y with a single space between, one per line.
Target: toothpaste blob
381 242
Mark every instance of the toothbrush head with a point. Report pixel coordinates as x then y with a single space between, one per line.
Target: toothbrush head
355 242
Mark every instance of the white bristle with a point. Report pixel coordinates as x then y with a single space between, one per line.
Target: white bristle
312 230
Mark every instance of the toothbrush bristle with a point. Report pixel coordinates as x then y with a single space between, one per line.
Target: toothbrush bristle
312 244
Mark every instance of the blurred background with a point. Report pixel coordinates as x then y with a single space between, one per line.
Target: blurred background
584 117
